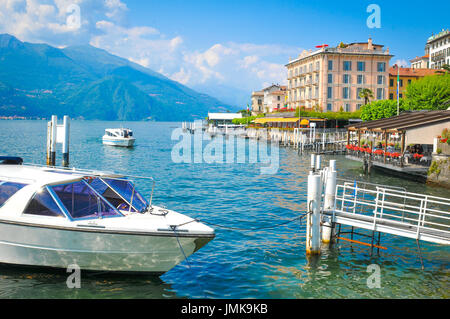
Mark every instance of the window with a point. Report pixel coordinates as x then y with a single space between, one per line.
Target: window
8 189
347 107
330 65
400 95
391 82
345 93
380 94
43 204
361 66
358 106
81 201
409 81
317 66
329 107
347 65
401 82
346 78
330 78
128 191
360 79
329 92
381 66
391 96
358 90
278 98
380 79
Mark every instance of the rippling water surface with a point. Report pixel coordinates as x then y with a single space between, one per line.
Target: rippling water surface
268 263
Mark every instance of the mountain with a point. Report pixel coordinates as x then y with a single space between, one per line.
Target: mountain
90 83
229 95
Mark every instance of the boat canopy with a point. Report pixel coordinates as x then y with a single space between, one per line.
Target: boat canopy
11 160
81 201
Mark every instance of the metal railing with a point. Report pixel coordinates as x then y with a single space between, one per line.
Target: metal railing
394 210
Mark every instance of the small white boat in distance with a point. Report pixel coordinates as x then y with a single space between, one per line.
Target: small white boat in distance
118 137
55 217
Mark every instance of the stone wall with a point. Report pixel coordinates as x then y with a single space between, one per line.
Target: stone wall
439 172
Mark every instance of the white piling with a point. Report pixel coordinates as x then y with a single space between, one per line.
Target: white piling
318 162
313 162
329 202
333 165
313 220
53 140
65 142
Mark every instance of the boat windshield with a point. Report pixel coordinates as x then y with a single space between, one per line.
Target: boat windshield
81 201
127 191
8 189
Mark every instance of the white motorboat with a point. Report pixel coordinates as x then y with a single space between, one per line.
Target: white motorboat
118 137
55 217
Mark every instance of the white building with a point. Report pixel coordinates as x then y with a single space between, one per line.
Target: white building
438 49
223 118
269 99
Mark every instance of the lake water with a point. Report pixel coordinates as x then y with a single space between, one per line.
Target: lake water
268 263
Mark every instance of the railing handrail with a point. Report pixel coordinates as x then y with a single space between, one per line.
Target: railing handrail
382 208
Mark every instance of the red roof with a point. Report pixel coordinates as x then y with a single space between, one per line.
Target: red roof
411 72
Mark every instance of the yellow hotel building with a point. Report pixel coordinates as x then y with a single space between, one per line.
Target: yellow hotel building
331 78
407 75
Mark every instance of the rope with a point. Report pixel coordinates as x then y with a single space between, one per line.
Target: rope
244 229
184 254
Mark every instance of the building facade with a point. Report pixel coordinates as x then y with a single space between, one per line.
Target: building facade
438 49
420 62
330 79
269 99
406 76
257 102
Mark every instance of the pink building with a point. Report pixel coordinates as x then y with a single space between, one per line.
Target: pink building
330 79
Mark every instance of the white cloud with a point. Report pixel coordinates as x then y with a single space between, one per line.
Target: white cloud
246 66
402 63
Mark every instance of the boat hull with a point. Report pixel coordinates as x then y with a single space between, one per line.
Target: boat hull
95 250
121 142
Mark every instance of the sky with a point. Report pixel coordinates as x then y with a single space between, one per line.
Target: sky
223 46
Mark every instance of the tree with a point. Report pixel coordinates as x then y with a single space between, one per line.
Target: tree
429 93
366 94
382 109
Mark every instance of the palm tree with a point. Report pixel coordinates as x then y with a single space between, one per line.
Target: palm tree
365 94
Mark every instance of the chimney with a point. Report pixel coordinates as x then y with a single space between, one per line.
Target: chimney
369 44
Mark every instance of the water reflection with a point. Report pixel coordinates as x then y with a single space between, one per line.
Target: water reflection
26 282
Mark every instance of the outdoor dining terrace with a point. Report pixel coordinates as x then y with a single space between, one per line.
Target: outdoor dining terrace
391 156
402 143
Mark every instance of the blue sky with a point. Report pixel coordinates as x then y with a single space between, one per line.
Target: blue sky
222 46
405 25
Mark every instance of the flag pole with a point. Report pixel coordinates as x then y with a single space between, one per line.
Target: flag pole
398 90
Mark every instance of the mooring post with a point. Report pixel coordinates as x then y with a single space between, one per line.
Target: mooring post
313 162
329 201
53 141
318 162
313 217
65 142
49 143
